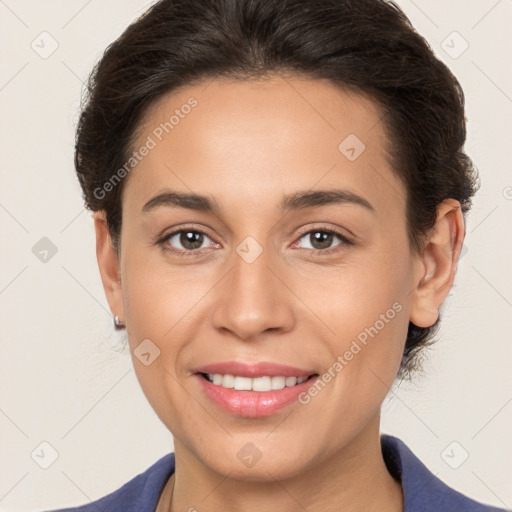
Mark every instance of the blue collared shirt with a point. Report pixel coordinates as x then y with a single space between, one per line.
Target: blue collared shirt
422 491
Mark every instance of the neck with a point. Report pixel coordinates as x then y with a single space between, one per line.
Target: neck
355 479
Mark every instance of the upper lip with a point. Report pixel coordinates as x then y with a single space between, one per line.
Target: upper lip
253 370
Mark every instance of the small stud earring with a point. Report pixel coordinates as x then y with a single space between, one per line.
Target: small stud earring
118 324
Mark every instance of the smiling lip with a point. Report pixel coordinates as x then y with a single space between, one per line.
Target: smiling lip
252 404
254 370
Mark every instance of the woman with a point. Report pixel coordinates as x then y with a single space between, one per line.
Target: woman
280 192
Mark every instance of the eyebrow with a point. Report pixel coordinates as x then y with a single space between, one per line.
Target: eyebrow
296 201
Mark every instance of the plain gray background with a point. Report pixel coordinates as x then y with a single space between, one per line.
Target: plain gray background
66 380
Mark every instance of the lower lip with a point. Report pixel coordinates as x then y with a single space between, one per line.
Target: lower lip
253 404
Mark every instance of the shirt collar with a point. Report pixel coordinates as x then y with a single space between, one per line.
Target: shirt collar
422 490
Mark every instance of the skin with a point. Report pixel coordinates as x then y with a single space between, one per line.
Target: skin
247 144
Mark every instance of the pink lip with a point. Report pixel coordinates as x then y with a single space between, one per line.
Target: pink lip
252 404
254 370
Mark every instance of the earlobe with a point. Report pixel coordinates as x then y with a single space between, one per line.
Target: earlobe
108 263
438 264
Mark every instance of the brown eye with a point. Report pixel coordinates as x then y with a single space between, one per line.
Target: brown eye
324 240
321 239
185 240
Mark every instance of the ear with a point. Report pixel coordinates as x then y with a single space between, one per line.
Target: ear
439 261
108 262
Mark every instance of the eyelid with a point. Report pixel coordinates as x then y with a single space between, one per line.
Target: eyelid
168 232
322 227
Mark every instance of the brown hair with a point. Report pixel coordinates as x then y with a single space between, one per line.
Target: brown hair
368 46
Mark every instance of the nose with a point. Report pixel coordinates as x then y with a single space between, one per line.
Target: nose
253 299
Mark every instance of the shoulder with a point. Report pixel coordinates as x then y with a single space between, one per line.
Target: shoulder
422 490
140 494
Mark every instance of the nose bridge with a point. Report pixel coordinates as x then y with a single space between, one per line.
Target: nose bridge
251 300
250 276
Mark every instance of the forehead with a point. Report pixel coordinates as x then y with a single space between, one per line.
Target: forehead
249 139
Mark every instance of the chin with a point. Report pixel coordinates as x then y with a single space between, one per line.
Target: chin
243 460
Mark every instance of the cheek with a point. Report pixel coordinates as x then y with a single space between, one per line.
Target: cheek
154 306
368 292
158 296
162 307
364 359
364 309
370 339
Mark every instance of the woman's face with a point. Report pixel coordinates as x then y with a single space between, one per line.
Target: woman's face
259 277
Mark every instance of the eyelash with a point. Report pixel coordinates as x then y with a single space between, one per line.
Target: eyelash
162 242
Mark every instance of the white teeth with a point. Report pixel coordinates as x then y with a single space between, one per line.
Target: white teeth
242 383
228 381
261 384
291 381
257 384
278 382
